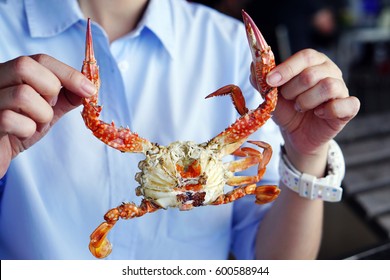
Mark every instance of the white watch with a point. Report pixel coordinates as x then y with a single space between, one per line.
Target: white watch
308 186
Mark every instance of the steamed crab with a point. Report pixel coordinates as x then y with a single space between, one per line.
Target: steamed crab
185 174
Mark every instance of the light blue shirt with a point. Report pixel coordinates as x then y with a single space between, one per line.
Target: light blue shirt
154 80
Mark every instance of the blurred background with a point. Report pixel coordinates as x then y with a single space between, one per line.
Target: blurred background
355 34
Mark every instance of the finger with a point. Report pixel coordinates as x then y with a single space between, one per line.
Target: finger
343 109
25 70
294 65
24 100
66 101
325 90
46 75
307 79
69 77
16 124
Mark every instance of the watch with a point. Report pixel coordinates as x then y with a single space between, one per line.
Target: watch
327 188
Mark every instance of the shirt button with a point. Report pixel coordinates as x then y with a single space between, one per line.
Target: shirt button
123 65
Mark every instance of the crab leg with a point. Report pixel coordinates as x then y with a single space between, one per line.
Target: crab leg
264 194
119 138
250 157
247 184
236 95
250 121
99 245
254 157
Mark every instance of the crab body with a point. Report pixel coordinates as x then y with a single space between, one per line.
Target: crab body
184 174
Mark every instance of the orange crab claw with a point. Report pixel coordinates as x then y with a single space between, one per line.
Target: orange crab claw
266 194
117 137
262 55
99 245
251 120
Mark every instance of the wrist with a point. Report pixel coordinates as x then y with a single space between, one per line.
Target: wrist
314 163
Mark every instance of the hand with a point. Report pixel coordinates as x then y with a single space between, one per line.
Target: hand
35 91
314 104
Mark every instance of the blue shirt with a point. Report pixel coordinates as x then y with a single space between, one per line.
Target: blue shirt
154 80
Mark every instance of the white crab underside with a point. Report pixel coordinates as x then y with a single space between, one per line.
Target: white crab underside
162 182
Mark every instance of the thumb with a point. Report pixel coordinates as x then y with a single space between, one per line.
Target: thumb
66 102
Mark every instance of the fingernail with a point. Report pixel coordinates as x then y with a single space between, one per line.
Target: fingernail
88 87
274 78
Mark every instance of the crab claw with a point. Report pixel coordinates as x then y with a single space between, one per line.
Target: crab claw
251 120
120 138
262 55
266 194
99 245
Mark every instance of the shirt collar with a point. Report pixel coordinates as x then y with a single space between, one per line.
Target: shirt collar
49 18
158 18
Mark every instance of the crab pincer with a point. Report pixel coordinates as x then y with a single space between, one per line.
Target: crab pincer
119 138
263 61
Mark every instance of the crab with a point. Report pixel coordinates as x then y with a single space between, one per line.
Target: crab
185 174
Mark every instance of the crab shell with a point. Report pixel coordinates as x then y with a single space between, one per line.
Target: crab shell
182 175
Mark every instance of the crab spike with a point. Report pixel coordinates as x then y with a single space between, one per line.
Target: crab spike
89 54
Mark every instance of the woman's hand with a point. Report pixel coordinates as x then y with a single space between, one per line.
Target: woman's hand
314 104
35 91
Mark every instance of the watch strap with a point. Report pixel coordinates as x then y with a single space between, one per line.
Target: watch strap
308 186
